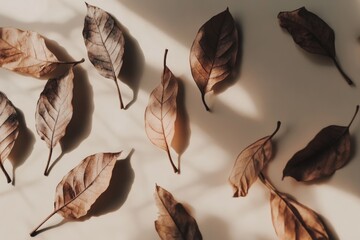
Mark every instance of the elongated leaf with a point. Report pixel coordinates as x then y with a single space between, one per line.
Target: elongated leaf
312 34
8 130
54 110
105 43
26 52
213 53
80 188
328 151
160 114
250 163
174 222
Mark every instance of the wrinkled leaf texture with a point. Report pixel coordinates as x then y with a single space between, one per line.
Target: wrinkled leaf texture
105 42
250 163
8 130
328 151
312 34
25 52
161 112
213 52
174 222
79 189
54 110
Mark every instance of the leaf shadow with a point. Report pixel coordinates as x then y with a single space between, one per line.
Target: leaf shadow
133 63
80 125
23 146
329 228
52 226
181 138
216 228
119 188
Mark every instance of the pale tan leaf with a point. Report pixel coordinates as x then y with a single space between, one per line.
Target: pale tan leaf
250 163
105 42
8 130
80 188
26 52
54 110
161 112
213 53
174 222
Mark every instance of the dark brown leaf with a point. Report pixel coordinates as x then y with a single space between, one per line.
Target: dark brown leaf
213 53
328 151
80 188
174 222
312 34
105 44
26 52
8 130
250 163
161 112
291 219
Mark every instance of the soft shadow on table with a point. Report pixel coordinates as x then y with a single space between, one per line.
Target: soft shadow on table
23 146
216 228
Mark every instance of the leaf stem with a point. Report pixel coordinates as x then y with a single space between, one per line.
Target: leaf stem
46 172
345 76
266 182
119 93
34 232
171 161
356 112
73 62
5 172
204 102
276 130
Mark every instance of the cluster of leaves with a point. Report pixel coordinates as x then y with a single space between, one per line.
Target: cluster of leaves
212 59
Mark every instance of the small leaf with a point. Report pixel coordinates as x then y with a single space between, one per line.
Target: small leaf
8 130
174 222
312 34
80 188
26 52
105 44
328 151
213 53
161 112
54 110
250 163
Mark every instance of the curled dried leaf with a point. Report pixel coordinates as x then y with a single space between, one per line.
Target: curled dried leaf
9 130
26 52
105 44
250 163
312 34
174 222
161 112
213 53
80 188
328 151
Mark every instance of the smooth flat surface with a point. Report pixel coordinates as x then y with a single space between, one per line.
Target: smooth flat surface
276 80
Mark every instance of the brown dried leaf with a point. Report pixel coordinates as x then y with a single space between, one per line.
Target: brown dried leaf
80 188
26 52
105 44
250 163
8 130
213 53
161 112
328 151
312 34
174 222
54 110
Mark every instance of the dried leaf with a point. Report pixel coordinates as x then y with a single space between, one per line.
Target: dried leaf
250 163
174 222
328 151
26 52
80 188
161 112
312 34
8 130
54 110
213 53
105 44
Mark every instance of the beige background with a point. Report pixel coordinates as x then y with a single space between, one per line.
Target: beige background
276 80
